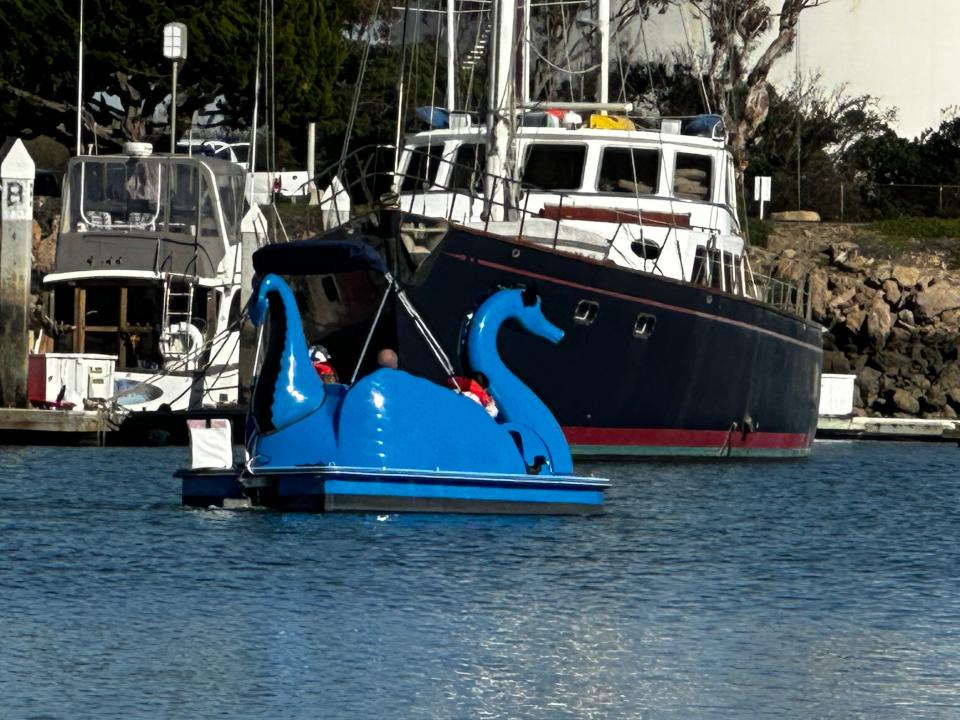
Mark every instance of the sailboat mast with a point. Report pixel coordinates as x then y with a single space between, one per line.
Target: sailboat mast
603 22
502 53
525 53
451 56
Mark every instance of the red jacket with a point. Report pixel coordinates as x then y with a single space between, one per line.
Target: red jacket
468 385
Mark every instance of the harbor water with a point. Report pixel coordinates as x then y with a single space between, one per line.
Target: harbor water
820 588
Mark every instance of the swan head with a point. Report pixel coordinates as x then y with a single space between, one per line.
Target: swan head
529 314
258 301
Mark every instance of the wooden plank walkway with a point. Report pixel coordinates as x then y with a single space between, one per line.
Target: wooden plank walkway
43 427
867 428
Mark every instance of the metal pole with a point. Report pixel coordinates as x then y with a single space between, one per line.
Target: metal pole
173 112
80 85
527 40
841 201
451 55
312 162
603 11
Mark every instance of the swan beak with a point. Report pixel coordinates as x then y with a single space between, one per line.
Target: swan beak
553 333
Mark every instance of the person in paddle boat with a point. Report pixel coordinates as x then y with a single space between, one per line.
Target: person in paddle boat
387 358
320 359
475 388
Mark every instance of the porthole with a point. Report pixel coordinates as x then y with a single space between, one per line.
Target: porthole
644 325
586 312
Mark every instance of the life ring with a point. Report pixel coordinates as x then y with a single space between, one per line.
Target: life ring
181 338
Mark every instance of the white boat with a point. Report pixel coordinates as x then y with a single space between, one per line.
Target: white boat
147 271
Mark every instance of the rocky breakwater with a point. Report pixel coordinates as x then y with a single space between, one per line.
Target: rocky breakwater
891 312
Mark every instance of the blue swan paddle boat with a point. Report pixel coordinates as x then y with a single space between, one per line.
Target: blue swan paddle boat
392 441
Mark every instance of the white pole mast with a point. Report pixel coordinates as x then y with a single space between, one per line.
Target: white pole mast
603 11
527 39
80 86
498 130
451 56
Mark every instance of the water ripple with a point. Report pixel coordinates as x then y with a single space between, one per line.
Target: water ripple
823 588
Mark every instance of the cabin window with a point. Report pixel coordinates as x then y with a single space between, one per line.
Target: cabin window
468 168
422 167
184 186
554 167
329 285
586 312
623 170
208 218
644 324
230 188
692 177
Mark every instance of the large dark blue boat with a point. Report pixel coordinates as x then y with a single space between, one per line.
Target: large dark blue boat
628 228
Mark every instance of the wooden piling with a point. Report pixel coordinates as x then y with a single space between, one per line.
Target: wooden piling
17 173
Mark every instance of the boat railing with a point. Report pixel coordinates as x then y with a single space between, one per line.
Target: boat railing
781 294
366 181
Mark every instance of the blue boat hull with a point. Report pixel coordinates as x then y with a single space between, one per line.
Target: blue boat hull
363 490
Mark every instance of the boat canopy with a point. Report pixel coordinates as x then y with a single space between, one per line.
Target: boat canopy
317 256
149 213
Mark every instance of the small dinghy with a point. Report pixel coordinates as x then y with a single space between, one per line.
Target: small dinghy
391 441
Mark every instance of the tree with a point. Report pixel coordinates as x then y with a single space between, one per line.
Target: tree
746 40
127 80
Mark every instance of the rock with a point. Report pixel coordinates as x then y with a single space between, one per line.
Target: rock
937 299
905 276
906 402
948 412
953 395
855 319
934 399
891 291
795 216
868 380
843 297
835 361
906 317
879 321
899 336
819 294
893 363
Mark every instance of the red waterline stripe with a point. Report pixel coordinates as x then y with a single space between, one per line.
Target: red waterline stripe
669 437
644 301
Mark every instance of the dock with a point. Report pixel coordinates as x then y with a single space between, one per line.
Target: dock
875 428
52 427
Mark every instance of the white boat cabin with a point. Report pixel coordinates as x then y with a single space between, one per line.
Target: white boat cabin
651 200
147 270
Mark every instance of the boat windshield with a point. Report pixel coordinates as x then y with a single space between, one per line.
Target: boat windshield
170 196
